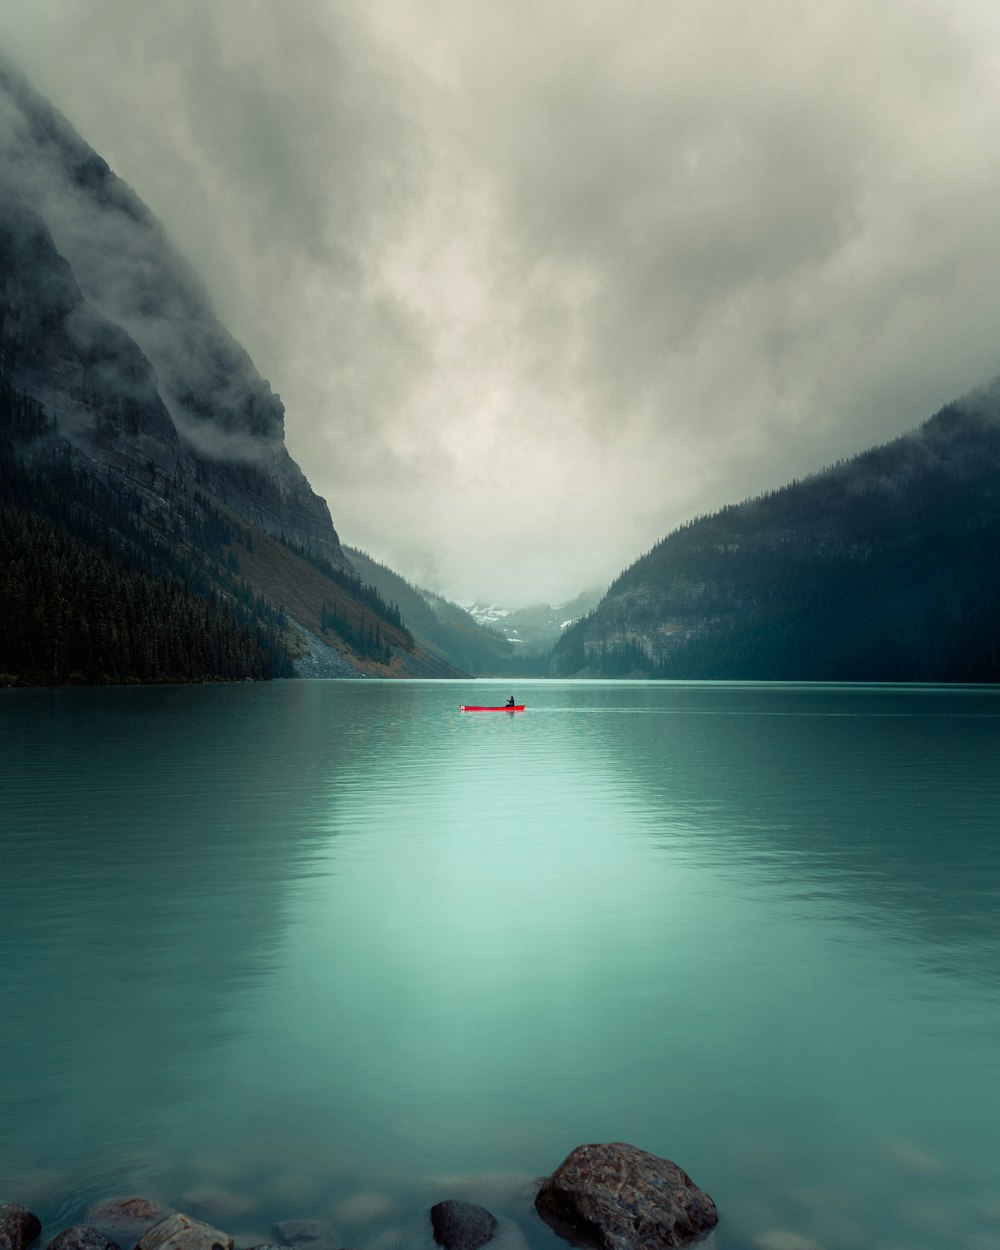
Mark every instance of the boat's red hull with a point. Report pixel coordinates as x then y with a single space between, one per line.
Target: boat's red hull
518 707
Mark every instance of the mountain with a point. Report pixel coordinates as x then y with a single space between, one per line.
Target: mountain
143 457
885 567
108 327
442 628
485 640
536 627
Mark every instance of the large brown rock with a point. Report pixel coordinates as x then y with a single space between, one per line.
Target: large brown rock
181 1232
18 1226
617 1197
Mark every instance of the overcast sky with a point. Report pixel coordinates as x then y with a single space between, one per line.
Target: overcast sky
537 282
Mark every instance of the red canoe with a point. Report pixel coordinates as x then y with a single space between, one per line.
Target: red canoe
517 707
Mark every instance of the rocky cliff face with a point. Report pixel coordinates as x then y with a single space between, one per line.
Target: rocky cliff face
102 321
83 368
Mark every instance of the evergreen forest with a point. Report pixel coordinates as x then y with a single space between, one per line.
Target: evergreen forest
98 586
885 567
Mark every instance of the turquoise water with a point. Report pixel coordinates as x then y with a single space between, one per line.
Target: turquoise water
335 950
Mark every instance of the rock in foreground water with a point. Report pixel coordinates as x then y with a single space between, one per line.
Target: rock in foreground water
83 1237
180 1232
306 1234
125 1220
620 1198
18 1226
462 1225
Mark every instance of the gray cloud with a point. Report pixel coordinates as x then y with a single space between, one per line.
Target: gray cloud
537 283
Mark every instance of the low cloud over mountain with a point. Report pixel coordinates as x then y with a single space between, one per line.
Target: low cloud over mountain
516 270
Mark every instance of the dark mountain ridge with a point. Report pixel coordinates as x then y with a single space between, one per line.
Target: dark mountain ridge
107 325
883 567
154 526
97 588
103 581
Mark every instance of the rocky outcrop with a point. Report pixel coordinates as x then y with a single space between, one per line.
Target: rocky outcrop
618 1197
462 1225
19 1227
320 659
180 1232
83 1237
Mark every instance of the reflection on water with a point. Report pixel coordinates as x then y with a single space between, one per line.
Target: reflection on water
334 950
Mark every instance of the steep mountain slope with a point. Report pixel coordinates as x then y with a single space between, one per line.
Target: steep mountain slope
108 327
102 583
441 628
95 587
143 458
884 567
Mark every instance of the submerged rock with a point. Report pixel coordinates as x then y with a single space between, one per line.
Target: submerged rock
83 1237
181 1232
18 1226
462 1225
217 1203
618 1197
125 1219
305 1234
508 1236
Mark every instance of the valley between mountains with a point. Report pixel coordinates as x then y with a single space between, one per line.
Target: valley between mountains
155 528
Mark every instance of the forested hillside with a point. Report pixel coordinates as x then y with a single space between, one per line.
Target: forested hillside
93 590
442 628
101 581
883 568
154 526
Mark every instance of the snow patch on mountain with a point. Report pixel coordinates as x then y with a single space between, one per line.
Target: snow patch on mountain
537 626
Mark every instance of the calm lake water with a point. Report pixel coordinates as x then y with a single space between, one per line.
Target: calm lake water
335 950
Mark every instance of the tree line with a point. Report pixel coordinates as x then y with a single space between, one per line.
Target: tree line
349 581
97 586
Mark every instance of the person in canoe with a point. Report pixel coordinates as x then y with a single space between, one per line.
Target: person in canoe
510 702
